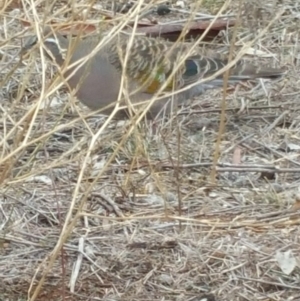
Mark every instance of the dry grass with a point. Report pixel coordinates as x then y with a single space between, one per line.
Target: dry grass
113 211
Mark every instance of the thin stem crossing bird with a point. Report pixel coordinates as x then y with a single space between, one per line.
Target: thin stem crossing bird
150 63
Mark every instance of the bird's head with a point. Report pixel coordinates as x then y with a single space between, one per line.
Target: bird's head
54 44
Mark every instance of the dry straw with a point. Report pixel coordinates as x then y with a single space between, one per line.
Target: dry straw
91 207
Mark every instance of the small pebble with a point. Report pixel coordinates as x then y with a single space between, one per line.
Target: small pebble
84 13
163 10
180 4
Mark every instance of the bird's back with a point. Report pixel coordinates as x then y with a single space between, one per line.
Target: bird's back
151 61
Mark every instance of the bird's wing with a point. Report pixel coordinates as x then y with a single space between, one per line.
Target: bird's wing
152 61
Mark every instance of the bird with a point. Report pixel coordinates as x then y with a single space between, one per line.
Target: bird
150 64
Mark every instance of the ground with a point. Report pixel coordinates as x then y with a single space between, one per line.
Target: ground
137 213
